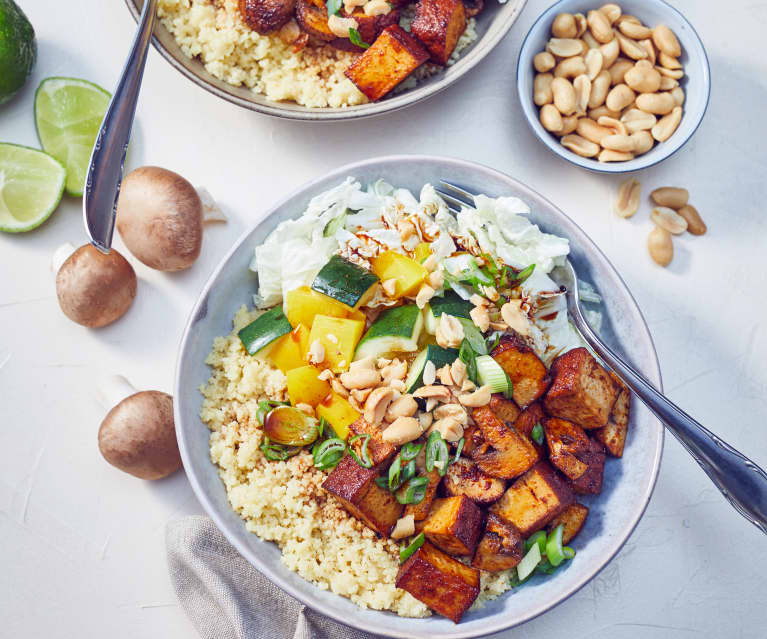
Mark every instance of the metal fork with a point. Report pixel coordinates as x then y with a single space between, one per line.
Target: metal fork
740 480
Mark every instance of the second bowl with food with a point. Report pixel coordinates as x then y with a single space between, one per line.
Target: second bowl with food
613 87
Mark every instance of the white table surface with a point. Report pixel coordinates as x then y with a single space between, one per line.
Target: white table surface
81 544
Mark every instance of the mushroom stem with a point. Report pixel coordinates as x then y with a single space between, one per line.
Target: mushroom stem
60 256
211 211
112 389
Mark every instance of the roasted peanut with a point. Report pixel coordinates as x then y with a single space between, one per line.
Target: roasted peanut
660 246
582 86
608 155
564 47
569 124
678 94
666 84
627 202
590 40
620 97
570 68
616 126
669 219
618 70
695 223
564 95
580 24
673 197
629 18
676 74
666 41
599 26
603 111
631 48
635 31
589 129
643 142
657 103
648 46
542 89
599 89
594 61
617 142
581 146
551 118
610 52
612 12
638 120
643 78
668 62
667 125
544 61
564 26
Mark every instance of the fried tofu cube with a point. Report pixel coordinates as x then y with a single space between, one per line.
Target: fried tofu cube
390 59
582 391
505 409
355 487
590 482
525 369
509 453
453 525
313 19
370 27
439 24
465 477
613 435
529 417
472 438
421 510
501 547
378 450
572 519
446 585
567 444
534 499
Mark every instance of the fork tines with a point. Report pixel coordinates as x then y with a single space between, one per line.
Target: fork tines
454 196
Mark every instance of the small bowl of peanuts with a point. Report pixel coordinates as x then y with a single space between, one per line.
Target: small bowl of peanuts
614 87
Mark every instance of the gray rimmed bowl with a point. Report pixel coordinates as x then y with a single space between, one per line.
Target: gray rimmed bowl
696 82
492 25
628 482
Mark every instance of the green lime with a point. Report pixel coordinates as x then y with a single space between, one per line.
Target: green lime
31 186
18 49
68 114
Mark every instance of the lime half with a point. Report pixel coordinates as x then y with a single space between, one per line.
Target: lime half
18 49
68 114
31 186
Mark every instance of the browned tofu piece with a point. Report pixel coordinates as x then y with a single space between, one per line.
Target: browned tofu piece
590 482
582 391
265 16
379 450
464 477
421 511
525 369
370 27
314 20
444 584
472 439
534 499
508 453
528 418
567 444
505 409
439 24
473 7
572 519
390 59
501 547
613 435
355 487
453 525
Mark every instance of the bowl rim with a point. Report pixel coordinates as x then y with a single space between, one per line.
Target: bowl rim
478 51
306 188
588 163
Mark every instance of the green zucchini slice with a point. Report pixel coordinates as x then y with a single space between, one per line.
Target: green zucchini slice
264 330
449 303
396 330
346 282
432 353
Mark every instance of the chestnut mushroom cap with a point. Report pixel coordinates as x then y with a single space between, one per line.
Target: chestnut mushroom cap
138 436
94 288
159 217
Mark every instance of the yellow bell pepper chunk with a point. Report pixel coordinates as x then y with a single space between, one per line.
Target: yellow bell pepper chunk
338 413
305 386
290 350
422 251
408 274
304 303
339 338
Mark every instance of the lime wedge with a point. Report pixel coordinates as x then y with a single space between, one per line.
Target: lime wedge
68 114
31 186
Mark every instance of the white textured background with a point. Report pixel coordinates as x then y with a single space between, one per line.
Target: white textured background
81 545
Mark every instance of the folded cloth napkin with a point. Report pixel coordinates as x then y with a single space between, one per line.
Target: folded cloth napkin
227 598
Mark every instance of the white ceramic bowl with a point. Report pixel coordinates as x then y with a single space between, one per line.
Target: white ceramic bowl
696 82
492 25
628 483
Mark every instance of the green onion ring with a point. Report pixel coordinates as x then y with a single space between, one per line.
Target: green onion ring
537 434
410 451
329 453
415 491
406 552
364 458
394 474
459 449
536 538
554 550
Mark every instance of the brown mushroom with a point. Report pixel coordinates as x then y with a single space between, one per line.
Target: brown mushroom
160 217
94 288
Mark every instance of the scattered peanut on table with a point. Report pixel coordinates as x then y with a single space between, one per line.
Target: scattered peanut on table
608 85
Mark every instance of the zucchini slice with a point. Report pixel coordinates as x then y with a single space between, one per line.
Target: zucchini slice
396 330
449 303
346 282
432 353
264 330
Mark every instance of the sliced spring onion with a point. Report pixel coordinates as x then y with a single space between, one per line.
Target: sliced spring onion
321 427
467 355
554 551
509 392
395 470
410 451
436 451
537 434
526 567
363 459
459 449
545 567
413 492
568 552
329 453
472 335
278 452
264 406
356 38
490 373
493 340
406 552
538 538
408 471
520 277
383 482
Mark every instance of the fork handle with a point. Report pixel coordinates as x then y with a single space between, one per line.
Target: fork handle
740 480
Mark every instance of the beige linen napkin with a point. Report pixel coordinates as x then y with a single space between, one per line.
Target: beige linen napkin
227 598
